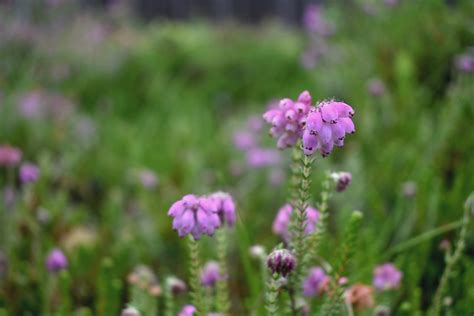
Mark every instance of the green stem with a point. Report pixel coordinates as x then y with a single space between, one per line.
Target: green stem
424 237
299 236
271 296
223 301
316 238
168 296
452 260
195 266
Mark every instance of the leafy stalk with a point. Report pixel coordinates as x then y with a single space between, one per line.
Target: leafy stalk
299 237
316 238
168 296
223 301
454 258
335 303
195 266
272 295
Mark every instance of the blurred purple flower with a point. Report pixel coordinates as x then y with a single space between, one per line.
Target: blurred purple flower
386 277
194 215
188 310
244 140
225 207
276 177
342 180
391 3
282 220
210 274
28 173
316 282
148 179
9 156
130 311
326 127
56 261
376 87
31 106
255 123
288 120
259 157
314 21
465 63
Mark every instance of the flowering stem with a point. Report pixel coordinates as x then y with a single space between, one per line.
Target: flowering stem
317 236
454 258
223 301
196 289
271 295
168 297
334 304
300 242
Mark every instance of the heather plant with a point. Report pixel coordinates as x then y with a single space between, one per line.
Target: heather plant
106 121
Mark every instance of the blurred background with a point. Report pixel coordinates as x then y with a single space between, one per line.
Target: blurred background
125 106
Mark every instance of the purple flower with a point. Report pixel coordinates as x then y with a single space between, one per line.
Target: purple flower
31 105
130 311
386 277
210 274
28 173
316 282
224 206
465 63
376 87
244 140
282 220
288 119
326 127
56 261
255 123
314 21
188 310
259 157
391 3
281 261
194 215
177 286
148 179
342 180
9 156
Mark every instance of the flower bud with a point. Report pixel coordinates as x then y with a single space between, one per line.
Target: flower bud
342 180
130 311
281 261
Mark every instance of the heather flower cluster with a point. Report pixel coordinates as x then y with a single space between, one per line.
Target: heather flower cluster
314 21
282 221
9 156
288 120
316 282
56 261
326 127
387 277
210 274
248 140
202 215
281 262
28 173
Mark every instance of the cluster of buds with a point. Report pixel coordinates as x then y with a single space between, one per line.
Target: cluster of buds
281 262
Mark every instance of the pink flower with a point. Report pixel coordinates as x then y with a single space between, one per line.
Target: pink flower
288 119
259 157
465 63
376 87
224 206
148 179
188 310
327 126
316 282
28 173
9 156
314 21
210 274
194 215
56 261
244 140
282 220
281 261
386 277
